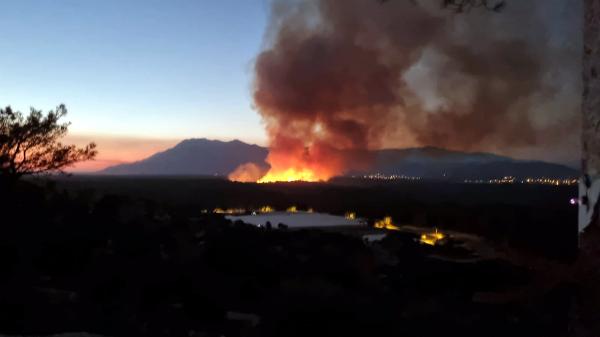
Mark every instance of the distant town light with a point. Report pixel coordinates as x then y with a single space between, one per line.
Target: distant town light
536 181
433 238
386 223
574 201
229 211
350 215
266 209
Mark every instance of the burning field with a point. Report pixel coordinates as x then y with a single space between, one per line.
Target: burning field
337 78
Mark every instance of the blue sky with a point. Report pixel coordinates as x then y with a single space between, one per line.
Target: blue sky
146 69
140 75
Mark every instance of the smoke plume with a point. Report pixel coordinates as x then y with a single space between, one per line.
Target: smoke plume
337 78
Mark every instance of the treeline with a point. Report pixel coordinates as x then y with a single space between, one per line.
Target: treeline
532 218
118 265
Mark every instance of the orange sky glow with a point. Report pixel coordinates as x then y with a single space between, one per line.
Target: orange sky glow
113 150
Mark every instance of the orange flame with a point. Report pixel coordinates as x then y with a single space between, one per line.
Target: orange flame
290 175
298 160
294 160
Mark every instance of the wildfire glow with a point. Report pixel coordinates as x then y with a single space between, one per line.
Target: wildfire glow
301 159
290 175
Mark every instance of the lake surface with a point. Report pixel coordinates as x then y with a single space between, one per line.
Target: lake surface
297 220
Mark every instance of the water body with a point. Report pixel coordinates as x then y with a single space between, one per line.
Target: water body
297 220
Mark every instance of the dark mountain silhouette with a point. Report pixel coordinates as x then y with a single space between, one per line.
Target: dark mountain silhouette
212 157
436 163
195 157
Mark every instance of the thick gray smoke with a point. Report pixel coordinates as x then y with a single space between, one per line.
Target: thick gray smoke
357 74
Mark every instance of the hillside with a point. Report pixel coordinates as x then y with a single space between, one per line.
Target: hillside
436 163
212 157
194 157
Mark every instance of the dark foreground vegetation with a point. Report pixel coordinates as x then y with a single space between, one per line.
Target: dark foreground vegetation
535 218
137 257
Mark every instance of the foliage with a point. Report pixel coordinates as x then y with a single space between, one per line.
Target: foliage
461 6
107 264
31 144
466 5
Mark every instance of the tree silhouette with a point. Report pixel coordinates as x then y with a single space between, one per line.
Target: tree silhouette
465 5
31 144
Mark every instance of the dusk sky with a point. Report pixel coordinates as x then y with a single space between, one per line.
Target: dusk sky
139 76
153 72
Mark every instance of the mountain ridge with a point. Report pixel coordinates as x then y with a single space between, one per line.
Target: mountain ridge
201 156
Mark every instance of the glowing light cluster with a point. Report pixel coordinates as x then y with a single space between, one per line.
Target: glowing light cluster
350 215
229 211
536 181
380 176
266 209
386 223
433 238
